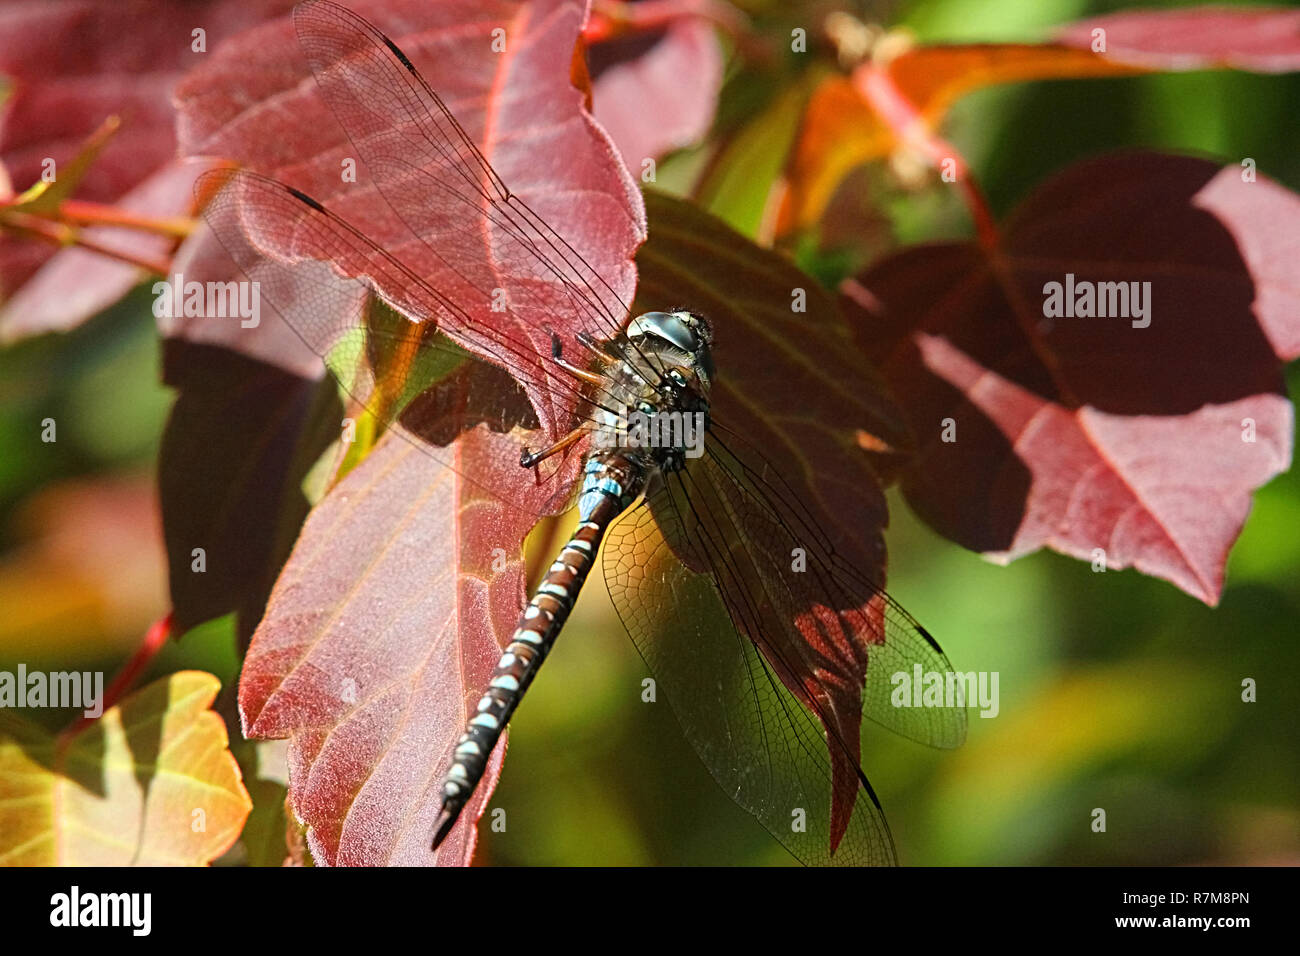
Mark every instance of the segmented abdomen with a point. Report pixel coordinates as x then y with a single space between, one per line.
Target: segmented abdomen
610 484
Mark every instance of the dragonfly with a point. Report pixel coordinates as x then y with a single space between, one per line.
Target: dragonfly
458 323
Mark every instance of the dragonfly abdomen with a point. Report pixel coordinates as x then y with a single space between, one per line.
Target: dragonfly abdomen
611 483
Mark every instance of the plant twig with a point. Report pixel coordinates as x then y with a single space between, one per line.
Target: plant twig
154 639
81 213
911 129
62 234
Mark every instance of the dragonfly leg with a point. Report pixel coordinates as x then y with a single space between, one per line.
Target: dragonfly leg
591 378
596 348
528 459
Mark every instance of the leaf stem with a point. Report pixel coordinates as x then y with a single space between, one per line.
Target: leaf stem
154 639
913 130
986 228
81 213
63 234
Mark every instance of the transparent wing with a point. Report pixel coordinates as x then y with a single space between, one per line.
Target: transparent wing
482 242
777 567
760 744
768 668
323 277
460 253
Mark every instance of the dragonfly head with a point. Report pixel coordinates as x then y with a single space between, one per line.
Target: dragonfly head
669 374
684 330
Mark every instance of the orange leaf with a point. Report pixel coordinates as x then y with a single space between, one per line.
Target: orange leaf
882 108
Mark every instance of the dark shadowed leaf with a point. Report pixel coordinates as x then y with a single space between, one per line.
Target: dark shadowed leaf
792 385
1139 435
239 441
798 415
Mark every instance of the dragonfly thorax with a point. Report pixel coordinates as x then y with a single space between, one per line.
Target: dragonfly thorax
658 391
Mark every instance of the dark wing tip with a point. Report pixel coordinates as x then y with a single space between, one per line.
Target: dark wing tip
929 638
397 52
299 194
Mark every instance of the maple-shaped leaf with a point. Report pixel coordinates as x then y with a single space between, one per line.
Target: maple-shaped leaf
256 103
1133 439
151 783
427 206
72 65
523 112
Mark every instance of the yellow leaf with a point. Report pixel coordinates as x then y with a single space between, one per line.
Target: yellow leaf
151 783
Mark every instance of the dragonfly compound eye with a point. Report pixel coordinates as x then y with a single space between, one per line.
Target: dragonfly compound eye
669 326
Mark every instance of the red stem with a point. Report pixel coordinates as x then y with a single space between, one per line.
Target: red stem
154 639
986 228
62 234
82 213
912 129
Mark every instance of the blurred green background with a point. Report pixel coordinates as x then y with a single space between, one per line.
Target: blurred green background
1117 691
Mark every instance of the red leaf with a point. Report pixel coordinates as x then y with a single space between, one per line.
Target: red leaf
378 639
657 93
1261 39
255 102
252 105
74 64
389 586
1086 433
769 391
